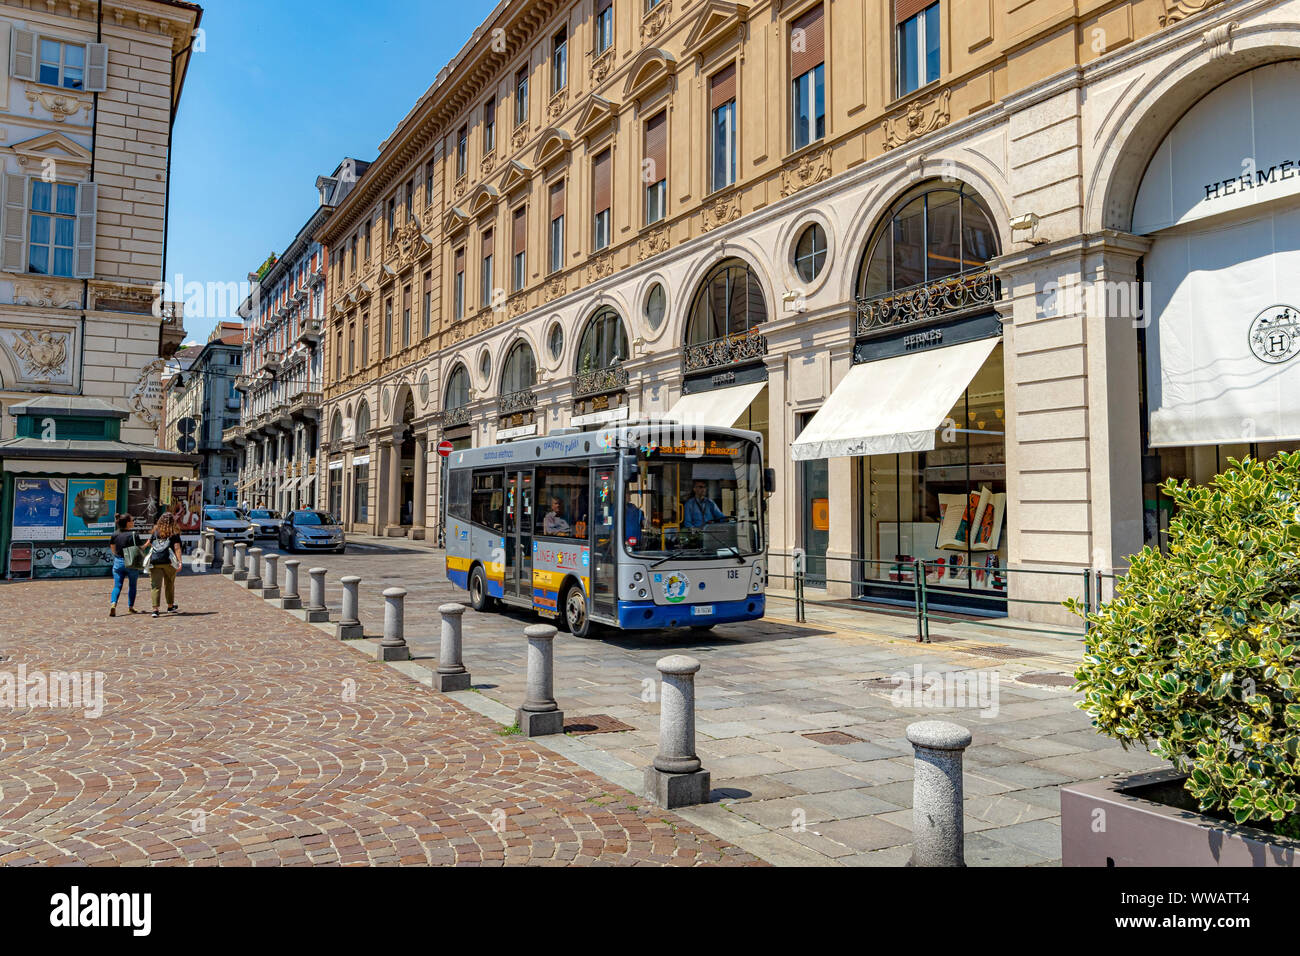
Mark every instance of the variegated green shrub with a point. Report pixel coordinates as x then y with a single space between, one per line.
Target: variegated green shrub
1197 654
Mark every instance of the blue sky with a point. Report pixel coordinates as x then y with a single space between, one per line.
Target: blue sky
284 90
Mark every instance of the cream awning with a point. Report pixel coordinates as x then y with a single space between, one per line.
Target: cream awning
892 405
720 407
36 466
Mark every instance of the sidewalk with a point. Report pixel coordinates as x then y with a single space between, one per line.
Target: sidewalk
769 693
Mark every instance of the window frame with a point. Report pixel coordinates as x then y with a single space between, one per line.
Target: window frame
489 125
559 60
816 83
30 213
922 38
729 144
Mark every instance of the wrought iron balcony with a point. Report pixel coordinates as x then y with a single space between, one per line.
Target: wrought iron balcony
945 298
598 381
452 417
730 350
521 401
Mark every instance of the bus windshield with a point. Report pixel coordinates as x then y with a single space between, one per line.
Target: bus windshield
701 500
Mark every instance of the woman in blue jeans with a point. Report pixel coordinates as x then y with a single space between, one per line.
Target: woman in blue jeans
125 538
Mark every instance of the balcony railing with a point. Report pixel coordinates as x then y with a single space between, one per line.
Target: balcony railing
304 401
451 417
521 401
739 349
944 298
232 435
600 380
311 331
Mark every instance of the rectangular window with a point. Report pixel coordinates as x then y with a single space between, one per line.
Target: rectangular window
462 151
338 354
604 25
352 348
410 200
485 275
521 97
392 216
563 502
560 61
52 228
602 171
428 184
490 125
487 500
518 249
427 320
365 340
61 64
367 240
388 327
807 66
722 101
458 285
353 244
557 227
655 167
918 44
406 317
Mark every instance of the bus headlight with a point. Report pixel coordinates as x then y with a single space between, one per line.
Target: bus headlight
641 593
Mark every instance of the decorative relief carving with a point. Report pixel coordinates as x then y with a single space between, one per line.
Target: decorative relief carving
653 23
59 104
517 305
557 104
408 244
554 289
917 120
652 244
1176 10
124 298
809 169
519 137
47 295
721 210
458 190
489 163
601 66
1218 41
44 353
600 267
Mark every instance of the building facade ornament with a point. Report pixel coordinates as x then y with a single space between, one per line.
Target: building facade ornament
653 23
519 136
602 65
809 169
721 210
44 353
46 294
555 108
600 267
652 244
554 289
1218 41
917 120
1176 10
60 104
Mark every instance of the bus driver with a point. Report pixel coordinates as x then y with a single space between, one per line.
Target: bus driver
555 523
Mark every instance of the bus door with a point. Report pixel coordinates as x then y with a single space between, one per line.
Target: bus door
603 528
519 534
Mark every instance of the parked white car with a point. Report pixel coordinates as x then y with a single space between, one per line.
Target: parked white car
225 524
266 523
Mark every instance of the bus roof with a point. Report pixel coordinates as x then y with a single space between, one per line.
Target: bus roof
588 443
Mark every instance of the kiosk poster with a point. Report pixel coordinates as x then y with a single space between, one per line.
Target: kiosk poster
38 508
92 508
187 505
142 500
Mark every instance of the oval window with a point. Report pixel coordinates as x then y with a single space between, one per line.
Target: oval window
556 342
810 252
655 304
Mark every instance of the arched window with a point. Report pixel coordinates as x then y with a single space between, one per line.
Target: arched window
729 302
336 429
520 370
934 231
363 423
603 342
457 388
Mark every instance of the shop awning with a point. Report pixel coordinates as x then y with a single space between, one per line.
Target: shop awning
720 407
64 466
892 405
289 485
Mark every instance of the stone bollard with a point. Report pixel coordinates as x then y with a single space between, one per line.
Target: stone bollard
316 611
289 599
270 580
209 548
393 647
451 673
227 557
938 828
349 626
241 562
254 580
676 779
540 715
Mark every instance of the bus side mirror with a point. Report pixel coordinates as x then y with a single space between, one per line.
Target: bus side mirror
769 481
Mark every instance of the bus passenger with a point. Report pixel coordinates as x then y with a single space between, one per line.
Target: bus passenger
555 523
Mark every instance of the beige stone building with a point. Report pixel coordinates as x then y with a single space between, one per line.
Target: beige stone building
87 93
982 273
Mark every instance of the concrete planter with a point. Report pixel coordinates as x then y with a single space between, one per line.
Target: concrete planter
1113 822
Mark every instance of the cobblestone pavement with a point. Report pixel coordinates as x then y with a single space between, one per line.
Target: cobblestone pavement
766 685
234 734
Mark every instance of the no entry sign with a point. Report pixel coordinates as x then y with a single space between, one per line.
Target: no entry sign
444 448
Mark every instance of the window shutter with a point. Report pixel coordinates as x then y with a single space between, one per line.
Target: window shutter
15 223
521 230
656 145
814 42
906 9
722 87
487 243
23 59
602 185
96 67
557 200
459 260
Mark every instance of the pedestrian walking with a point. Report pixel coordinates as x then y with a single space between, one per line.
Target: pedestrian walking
128 561
164 560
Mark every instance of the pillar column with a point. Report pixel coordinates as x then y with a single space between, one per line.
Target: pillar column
421 481
394 483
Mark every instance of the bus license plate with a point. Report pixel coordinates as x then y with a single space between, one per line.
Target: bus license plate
702 610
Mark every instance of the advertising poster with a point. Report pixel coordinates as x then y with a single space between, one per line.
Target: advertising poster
92 506
143 502
38 508
187 504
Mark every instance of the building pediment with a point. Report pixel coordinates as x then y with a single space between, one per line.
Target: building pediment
455 220
517 176
718 22
33 153
483 199
649 70
597 113
553 144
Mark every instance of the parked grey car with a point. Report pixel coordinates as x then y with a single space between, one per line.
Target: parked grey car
311 531
266 523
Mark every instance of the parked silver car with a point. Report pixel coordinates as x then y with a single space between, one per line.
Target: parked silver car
311 531
226 523
266 523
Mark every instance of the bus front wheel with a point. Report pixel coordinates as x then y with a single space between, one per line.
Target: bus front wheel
575 617
478 592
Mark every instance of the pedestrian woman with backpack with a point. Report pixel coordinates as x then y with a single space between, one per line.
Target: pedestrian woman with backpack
164 560
128 562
